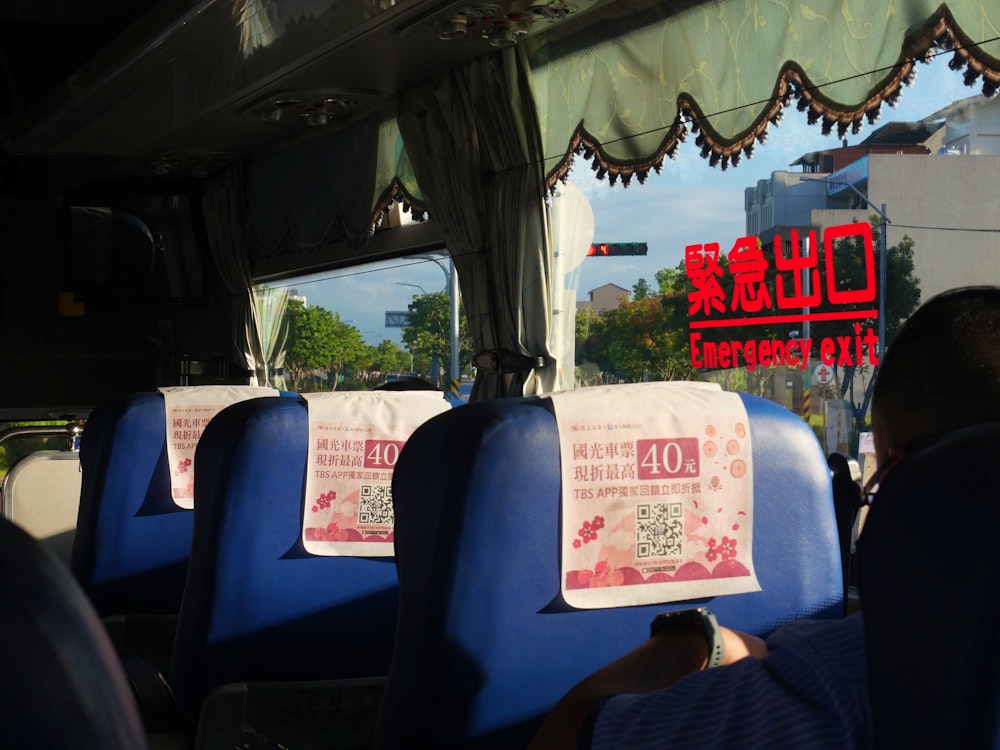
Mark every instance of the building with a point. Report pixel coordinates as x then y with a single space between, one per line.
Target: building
936 178
606 297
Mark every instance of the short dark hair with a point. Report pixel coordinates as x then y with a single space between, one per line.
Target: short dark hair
942 370
408 383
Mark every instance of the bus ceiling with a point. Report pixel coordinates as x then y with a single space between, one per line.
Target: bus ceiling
183 87
162 87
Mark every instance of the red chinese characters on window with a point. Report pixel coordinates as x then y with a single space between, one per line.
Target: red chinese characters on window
843 297
797 281
795 269
748 265
701 264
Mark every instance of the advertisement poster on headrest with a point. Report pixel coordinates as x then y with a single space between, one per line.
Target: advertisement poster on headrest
657 501
355 439
188 411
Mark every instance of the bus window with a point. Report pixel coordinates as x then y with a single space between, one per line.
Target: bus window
361 327
135 249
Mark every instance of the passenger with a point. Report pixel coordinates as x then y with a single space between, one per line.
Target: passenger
927 549
807 684
408 383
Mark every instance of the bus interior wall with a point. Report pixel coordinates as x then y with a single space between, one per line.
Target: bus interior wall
61 354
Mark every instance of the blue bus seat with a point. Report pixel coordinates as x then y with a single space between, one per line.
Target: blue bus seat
485 645
927 573
257 606
62 686
132 541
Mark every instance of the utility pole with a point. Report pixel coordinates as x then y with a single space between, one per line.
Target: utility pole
882 272
452 289
882 253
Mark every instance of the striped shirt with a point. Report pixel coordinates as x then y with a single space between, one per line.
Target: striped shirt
810 691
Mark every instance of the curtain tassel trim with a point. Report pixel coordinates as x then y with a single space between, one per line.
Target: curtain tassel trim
939 34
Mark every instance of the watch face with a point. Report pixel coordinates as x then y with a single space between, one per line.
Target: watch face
677 618
685 617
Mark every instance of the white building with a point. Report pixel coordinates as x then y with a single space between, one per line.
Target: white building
938 180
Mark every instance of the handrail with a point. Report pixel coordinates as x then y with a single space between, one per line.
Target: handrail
71 431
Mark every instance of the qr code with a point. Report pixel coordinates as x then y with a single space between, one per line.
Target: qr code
659 530
376 504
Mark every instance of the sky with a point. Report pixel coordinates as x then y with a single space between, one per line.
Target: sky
690 202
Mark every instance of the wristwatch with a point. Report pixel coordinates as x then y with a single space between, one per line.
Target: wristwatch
700 616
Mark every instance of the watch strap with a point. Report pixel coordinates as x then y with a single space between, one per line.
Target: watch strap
700 616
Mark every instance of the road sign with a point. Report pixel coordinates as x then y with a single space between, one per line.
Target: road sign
823 374
397 318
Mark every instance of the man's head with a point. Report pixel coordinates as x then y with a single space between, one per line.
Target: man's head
941 372
927 542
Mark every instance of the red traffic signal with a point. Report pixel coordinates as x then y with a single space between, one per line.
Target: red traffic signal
617 248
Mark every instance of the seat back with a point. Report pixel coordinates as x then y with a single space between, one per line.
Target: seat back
258 607
485 645
931 596
62 683
41 494
132 541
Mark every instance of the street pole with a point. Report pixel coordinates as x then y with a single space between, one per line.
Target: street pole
883 254
452 288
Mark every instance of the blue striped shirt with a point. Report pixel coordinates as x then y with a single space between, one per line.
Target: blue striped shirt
810 691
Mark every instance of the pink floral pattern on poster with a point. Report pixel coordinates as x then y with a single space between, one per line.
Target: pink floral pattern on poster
355 440
188 410
657 494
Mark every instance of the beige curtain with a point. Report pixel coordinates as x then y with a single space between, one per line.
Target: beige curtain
225 221
473 140
573 233
272 303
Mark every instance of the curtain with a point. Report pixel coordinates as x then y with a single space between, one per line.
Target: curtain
625 90
326 209
573 233
473 140
223 208
624 87
272 304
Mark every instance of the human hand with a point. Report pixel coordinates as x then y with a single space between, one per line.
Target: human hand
738 645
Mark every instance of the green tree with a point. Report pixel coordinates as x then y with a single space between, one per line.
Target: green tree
318 339
637 341
902 287
388 356
640 290
586 318
428 334
902 294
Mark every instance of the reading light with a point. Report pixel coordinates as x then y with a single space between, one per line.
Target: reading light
455 27
500 36
311 107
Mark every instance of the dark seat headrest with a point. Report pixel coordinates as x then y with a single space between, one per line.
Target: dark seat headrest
930 590
62 685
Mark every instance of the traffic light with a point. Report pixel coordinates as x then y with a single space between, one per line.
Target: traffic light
618 248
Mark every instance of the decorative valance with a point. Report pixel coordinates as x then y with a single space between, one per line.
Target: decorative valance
624 93
627 89
326 207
